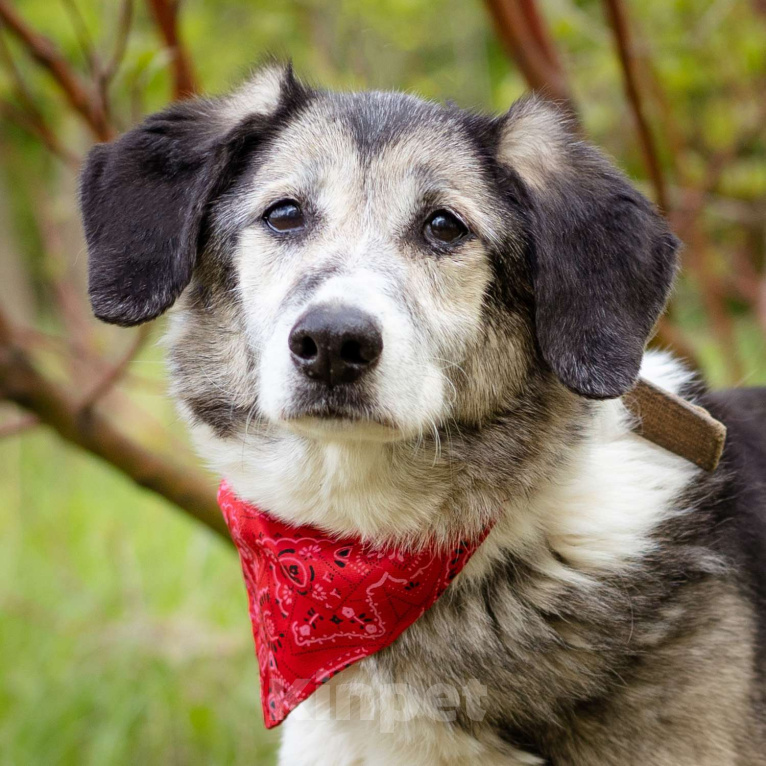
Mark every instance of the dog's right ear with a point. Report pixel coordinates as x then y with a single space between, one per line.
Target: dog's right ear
144 196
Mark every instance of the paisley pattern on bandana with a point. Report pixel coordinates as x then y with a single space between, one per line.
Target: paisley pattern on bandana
319 604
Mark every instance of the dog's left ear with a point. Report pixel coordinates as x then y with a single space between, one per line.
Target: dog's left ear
603 259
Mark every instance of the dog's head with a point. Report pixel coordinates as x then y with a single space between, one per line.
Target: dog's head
370 265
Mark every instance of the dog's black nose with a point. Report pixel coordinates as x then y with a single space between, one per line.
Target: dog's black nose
335 344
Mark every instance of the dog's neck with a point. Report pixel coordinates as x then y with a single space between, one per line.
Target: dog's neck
347 488
583 488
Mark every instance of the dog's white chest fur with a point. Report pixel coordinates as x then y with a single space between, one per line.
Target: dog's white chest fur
424 741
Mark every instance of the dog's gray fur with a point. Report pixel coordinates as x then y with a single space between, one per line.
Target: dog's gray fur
615 614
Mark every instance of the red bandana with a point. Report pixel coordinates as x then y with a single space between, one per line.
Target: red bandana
320 604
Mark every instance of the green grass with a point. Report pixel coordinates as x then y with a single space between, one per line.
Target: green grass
124 634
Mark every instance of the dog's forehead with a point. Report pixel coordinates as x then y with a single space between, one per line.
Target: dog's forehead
404 130
378 119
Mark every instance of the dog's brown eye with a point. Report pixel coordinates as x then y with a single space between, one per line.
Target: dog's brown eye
284 217
444 228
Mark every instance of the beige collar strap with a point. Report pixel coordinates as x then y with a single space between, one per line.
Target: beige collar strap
676 425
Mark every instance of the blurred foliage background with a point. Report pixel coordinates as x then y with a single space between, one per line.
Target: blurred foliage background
124 634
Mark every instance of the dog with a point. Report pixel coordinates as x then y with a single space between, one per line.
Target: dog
405 322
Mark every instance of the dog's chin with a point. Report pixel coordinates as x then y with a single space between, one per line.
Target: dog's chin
342 428
340 418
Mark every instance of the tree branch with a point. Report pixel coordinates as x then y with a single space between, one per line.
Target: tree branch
165 14
29 117
23 384
521 29
40 130
45 53
113 375
64 346
619 24
84 38
121 43
540 32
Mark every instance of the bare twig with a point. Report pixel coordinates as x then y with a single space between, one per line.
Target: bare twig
107 72
84 38
29 117
22 89
45 53
40 130
521 30
113 375
23 384
715 305
65 347
39 344
121 43
64 285
165 14
690 227
619 24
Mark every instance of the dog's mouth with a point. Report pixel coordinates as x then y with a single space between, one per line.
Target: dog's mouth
340 413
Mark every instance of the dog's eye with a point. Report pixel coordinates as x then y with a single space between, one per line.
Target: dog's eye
444 228
284 217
